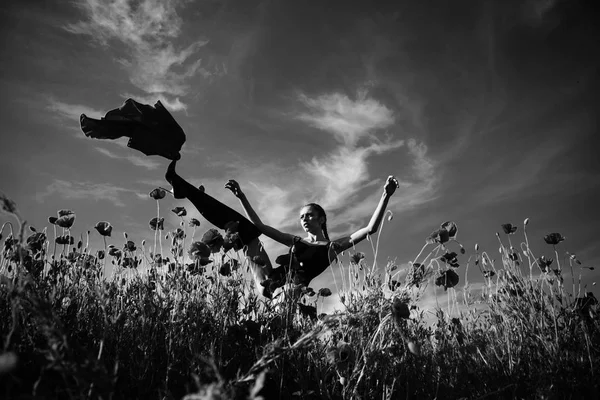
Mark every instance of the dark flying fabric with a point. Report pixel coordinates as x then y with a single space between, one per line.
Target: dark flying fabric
151 130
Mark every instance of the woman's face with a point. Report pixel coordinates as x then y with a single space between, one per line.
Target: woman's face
310 220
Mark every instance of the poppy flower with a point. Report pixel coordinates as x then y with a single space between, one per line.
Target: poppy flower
450 259
157 223
488 274
324 292
232 227
400 310
100 254
393 284
113 251
180 211
179 234
544 263
451 227
194 222
198 250
36 241
439 236
52 220
213 239
65 240
356 257
509 229
259 261
66 218
308 311
158 193
447 279
232 241
104 228
554 238
225 269
129 246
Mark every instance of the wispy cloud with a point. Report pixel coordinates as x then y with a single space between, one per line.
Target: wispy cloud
349 120
144 162
70 111
84 190
173 105
148 30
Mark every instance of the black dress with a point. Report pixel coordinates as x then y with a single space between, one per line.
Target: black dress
151 130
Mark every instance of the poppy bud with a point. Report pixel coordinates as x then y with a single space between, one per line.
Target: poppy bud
526 221
476 247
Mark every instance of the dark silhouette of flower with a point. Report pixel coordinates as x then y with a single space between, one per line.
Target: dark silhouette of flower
451 227
554 238
129 246
393 284
400 310
157 223
356 257
213 239
52 220
450 259
198 250
100 254
324 292
104 228
232 241
180 211
259 261
232 227
509 229
308 311
194 222
36 242
65 219
158 194
544 263
447 279
225 269
439 236
113 251
65 240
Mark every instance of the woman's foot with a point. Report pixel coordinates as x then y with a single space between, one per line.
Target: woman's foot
180 186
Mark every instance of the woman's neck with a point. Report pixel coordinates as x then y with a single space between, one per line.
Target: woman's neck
316 238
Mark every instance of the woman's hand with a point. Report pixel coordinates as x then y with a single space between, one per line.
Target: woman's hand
390 185
234 187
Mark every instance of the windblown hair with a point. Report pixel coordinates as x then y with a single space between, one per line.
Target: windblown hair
321 212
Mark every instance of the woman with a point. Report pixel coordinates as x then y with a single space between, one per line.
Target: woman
309 256
153 131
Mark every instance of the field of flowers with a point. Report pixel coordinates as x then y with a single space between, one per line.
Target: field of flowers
181 319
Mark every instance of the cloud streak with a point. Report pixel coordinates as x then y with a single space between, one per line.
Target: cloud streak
84 190
148 30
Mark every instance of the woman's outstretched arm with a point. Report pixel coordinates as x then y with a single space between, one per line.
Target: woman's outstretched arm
346 242
281 237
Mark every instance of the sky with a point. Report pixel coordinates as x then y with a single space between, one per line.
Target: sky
485 111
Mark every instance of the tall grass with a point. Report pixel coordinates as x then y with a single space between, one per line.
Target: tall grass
164 329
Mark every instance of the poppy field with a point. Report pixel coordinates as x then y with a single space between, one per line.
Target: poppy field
180 318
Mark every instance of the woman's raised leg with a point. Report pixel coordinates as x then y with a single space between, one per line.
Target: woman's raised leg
219 215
